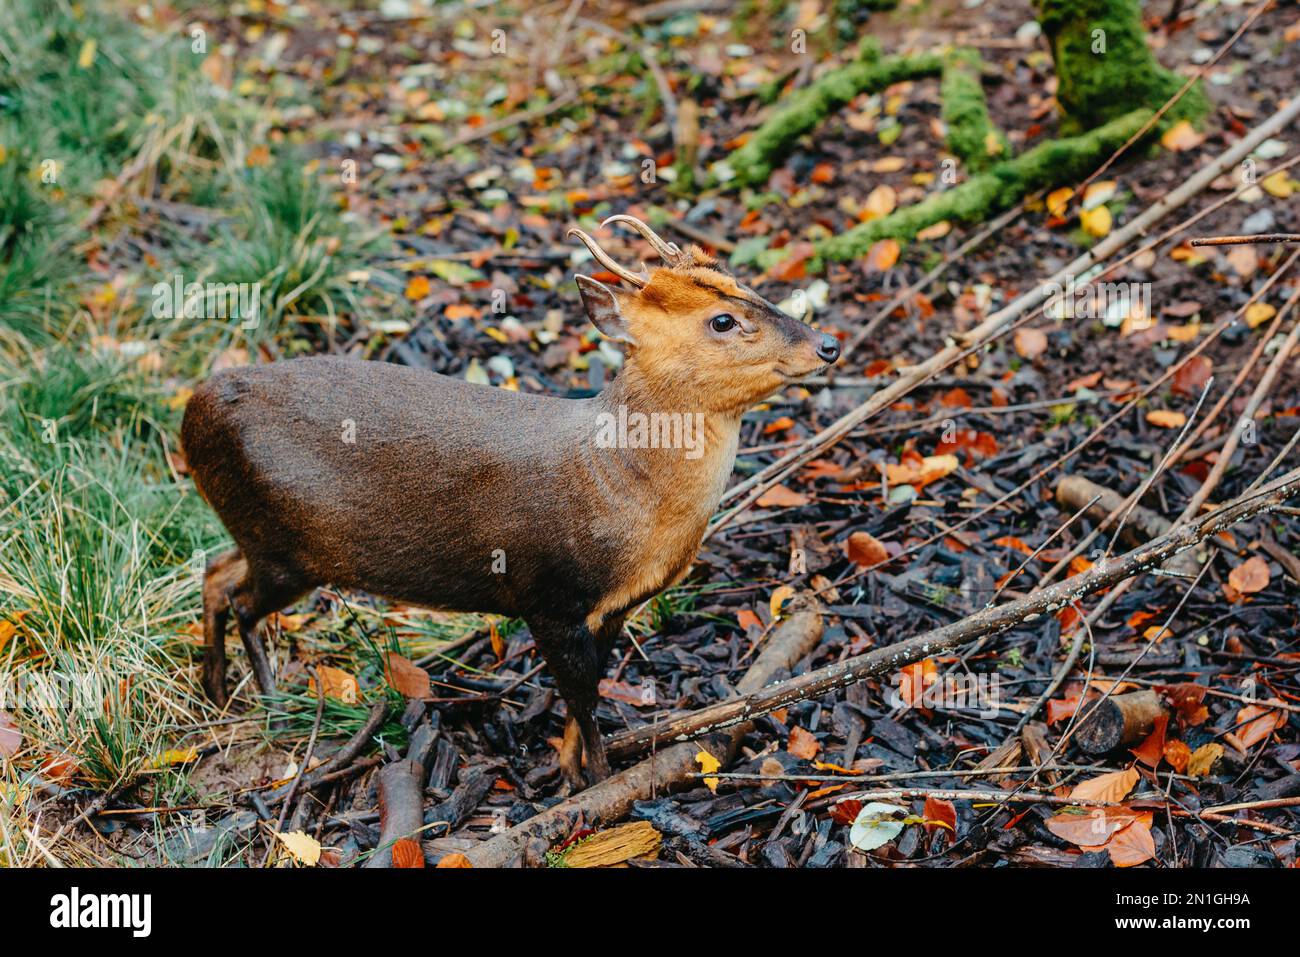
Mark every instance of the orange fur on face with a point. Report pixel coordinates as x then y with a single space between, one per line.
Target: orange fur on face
680 359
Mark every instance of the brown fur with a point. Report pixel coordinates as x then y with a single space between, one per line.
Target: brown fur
445 476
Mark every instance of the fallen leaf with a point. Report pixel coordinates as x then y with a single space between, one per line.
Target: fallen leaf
781 497
747 619
1180 137
803 744
417 287
779 597
407 853
875 826
708 764
616 845
917 471
882 255
1191 376
1250 576
1166 419
454 860
864 549
1203 758
1030 343
1256 723
302 847
1152 749
939 814
1058 201
1096 222
406 677
881 202
1244 260
1258 313
1134 844
337 684
1177 753
1092 828
1111 787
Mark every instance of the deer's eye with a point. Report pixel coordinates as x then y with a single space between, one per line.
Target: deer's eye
722 323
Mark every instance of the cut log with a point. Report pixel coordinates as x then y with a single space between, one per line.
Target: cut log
1119 721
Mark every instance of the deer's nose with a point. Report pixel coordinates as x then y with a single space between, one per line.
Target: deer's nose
829 350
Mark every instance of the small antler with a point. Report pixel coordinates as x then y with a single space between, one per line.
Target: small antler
604 258
670 253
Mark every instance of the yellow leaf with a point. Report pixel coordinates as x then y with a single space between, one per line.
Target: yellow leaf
708 764
1258 313
302 847
1058 200
1279 184
779 597
1203 758
1166 419
1181 136
937 231
87 55
1096 222
176 756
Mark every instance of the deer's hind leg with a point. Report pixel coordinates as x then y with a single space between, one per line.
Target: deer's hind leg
260 591
220 576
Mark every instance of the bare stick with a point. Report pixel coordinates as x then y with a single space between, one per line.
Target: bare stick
1242 240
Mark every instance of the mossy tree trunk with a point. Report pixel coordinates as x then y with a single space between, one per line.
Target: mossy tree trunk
1104 67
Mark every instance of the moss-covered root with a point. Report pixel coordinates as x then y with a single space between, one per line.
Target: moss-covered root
1104 66
972 137
1046 165
753 163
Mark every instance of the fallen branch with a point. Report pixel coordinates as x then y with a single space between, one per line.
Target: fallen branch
613 798
401 795
1002 320
1000 618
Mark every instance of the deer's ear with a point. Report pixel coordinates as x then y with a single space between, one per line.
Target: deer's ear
603 310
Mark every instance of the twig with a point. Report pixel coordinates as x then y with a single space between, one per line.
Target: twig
1240 240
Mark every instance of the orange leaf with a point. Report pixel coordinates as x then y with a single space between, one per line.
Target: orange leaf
455 860
865 550
778 425
1110 787
337 684
882 255
1150 751
1177 754
1165 419
1092 829
1132 845
1030 343
803 744
747 619
1058 709
939 813
408 853
417 287
782 497
1257 723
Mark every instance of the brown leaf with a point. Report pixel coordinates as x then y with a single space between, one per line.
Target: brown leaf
336 683
408 853
940 815
865 550
1030 343
406 677
1111 787
1250 576
1192 375
1092 828
781 497
803 744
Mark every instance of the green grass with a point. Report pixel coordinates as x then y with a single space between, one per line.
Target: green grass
101 541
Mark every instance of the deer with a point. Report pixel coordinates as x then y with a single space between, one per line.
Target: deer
436 492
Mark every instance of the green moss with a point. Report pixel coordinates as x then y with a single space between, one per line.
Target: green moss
972 137
1105 68
803 110
1047 165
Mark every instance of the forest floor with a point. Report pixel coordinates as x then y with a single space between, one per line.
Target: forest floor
400 181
